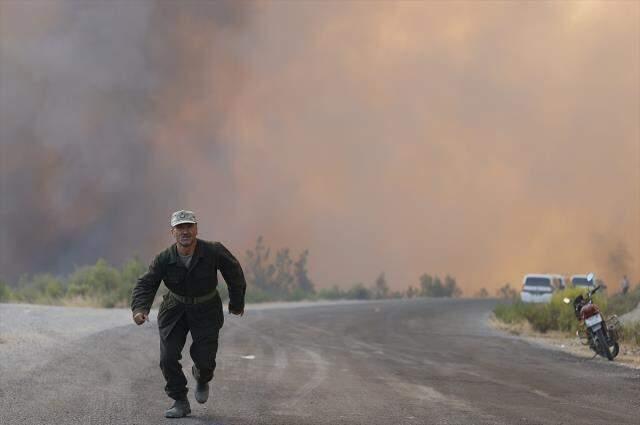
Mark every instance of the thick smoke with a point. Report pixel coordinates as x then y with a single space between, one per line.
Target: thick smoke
484 140
87 90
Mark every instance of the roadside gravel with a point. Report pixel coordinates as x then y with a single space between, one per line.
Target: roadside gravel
31 334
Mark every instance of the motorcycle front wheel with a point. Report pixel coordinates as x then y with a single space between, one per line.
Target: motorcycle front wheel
602 345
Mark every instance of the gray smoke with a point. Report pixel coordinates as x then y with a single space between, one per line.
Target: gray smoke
82 95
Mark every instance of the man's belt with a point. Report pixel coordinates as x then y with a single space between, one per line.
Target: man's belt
194 300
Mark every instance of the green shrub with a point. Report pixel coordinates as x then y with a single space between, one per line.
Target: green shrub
562 315
358 292
542 318
556 315
41 288
333 293
5 292
129 274
257 295
97 279
281 278
110 286
298 294
99 285
511 313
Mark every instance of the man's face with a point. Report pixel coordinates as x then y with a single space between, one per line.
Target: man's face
185 234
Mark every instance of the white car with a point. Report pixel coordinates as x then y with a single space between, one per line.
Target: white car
581 281
539 288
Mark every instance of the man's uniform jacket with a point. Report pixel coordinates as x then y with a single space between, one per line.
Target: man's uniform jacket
201 278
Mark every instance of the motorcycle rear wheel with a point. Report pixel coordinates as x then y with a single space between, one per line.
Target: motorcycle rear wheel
603 346
615 350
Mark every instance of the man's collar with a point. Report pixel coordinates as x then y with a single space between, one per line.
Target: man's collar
198 252
173 252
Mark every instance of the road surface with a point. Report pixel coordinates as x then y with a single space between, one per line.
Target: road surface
392 362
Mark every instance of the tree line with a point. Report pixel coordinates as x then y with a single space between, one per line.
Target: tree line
271 276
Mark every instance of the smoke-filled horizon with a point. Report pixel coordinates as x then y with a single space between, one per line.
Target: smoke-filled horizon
482 140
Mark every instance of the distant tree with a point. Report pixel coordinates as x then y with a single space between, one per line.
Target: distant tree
395 295
438 288
332 293
283 280
359 292
258 270
451 288
380 288
426 285
412 292
280 278
507 292
301 275
482 293
433 287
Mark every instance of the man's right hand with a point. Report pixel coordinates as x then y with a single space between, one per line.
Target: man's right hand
140 318
235 311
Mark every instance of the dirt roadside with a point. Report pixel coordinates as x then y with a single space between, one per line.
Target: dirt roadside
555 340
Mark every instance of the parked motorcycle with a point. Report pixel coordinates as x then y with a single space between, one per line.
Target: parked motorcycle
601 335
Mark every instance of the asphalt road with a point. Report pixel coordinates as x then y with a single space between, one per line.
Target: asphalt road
393 362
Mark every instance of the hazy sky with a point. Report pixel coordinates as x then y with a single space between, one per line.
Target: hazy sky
481 139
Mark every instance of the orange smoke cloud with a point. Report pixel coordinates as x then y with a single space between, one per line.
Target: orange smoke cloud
484 140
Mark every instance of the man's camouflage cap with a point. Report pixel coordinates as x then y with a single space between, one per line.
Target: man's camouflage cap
182 216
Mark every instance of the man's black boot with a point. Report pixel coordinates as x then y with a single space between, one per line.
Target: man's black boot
180 409
202 388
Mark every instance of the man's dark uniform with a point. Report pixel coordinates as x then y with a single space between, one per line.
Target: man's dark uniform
191 305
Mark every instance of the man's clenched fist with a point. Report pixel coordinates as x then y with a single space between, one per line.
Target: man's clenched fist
140 318
236 312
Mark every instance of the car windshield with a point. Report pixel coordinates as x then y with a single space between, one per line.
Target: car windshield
580 281
538 281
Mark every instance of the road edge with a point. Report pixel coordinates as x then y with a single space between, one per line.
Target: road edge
559 341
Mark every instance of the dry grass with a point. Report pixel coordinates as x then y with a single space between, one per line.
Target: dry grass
629 353
81 301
